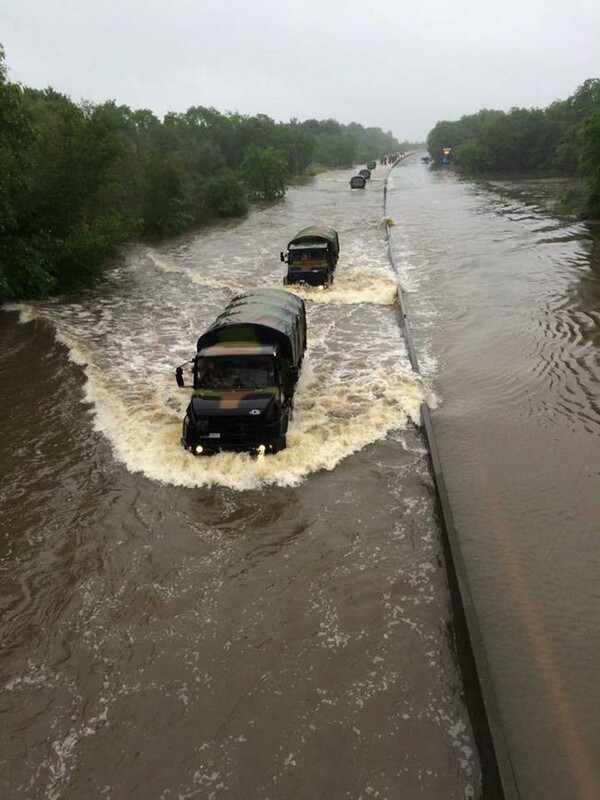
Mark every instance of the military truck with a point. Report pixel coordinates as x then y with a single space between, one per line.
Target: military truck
358 182
312 256
244 373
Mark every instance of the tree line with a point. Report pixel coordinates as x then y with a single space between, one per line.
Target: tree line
562 139
77 181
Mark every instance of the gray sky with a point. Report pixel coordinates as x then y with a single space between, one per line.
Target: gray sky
400 66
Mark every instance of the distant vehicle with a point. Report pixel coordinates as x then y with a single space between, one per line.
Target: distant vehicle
366 173
312 256
244 375
371 165
358 182
425 159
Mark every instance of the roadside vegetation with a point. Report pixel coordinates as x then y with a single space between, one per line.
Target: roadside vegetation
562 140
77 181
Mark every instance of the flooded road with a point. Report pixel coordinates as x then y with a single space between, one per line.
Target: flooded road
504 302
279 627
228 627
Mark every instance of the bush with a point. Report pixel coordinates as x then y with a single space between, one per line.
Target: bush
225 196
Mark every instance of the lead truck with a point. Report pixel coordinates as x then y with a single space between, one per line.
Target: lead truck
245 371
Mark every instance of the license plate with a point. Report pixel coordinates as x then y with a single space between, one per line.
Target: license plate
214 435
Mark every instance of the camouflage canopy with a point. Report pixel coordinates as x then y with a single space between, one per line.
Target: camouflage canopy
265 316
315 235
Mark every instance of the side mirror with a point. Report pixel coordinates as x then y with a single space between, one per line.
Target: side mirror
179 377
281 256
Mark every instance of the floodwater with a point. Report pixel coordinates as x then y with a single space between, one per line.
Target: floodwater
279 627
231 627
504 302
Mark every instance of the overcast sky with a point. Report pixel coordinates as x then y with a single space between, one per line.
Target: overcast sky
400 66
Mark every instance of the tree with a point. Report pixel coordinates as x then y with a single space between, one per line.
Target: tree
225 196
23 270
167 208
265 172
16 136
474 157
590 163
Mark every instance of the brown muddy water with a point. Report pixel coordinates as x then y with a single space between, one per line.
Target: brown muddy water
280 627
228 627
504 301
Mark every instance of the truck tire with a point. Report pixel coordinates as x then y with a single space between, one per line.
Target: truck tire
280 443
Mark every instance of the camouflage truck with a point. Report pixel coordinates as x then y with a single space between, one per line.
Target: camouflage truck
312 256
244 372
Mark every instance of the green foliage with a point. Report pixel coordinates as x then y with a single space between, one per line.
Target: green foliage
23 268
344 145
336 150
15 140
225 196
167 207
474 156
590 163
265 172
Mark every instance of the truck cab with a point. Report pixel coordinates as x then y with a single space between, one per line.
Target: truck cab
241 400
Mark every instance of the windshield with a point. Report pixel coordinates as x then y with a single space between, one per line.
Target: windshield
235 373
316 256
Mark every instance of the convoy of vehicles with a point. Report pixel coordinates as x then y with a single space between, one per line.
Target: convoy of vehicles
312 256
244 375
247 363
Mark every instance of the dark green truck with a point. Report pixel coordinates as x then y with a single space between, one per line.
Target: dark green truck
312 256
245 371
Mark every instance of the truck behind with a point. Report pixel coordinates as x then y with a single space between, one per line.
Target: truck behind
312 256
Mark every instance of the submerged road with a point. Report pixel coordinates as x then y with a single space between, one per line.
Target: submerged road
280 627
224 627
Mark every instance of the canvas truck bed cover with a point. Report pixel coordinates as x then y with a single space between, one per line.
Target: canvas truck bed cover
316 234
265 316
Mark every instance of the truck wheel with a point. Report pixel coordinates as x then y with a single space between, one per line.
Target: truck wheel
280 444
